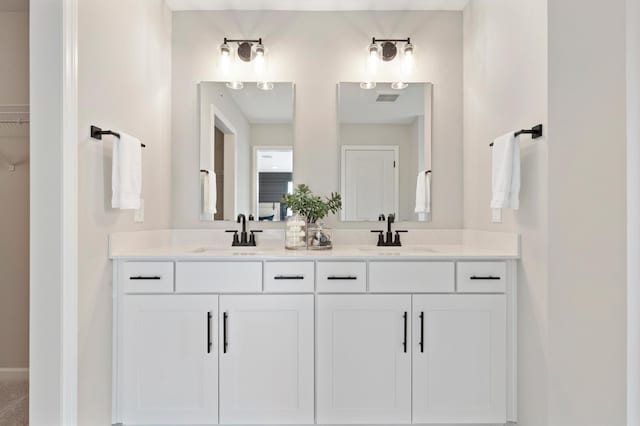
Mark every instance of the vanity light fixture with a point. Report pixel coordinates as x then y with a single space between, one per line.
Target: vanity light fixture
387 50
247 51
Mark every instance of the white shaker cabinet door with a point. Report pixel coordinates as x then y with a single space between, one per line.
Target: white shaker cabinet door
364 359
266 359
170 360
459 362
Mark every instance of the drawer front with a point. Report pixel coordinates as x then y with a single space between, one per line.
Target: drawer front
219 277
411 277
147 277
289 277
342 277
482 277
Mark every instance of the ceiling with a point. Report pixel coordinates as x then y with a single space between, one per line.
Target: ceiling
275 160
14 5
358 106
316 5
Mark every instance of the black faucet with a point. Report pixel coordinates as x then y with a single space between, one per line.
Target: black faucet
390 240
244 240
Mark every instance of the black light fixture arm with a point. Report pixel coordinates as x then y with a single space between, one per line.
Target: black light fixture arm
229 40
392 40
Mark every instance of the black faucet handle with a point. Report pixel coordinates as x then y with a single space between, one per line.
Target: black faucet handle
396 239
380 237
235 231
252 236
401 230
256 230
236 240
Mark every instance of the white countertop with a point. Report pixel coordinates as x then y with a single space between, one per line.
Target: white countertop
183 245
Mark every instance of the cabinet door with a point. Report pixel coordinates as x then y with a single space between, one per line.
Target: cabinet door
266 359
459 362
170 360
364 359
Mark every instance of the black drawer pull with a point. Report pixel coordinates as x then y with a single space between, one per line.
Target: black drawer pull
140 277
225 344
209 342
289 277
488 278
421 332
404 340
342 278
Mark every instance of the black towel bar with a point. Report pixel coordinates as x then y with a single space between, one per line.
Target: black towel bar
97 132
535 132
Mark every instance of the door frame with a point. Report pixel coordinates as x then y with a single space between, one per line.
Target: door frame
343 171
53 283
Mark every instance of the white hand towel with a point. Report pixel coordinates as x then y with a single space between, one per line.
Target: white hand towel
126 173
505 177
211 199
423 192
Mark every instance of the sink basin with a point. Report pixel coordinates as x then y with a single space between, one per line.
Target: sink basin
397 251
230 251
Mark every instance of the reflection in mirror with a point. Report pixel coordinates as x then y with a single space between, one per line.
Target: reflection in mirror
246 150
385 149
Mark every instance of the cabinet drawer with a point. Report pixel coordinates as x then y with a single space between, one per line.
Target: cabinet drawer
342 277
291 277
219 277
147 277
482 277
411 277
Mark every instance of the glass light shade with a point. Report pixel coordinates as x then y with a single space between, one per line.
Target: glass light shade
265 85
368 85
373 59
407 60
399 85
226 59
235 85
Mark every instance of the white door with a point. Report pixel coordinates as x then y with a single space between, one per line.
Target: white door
364 359
266 359
459 362
370 182
170 360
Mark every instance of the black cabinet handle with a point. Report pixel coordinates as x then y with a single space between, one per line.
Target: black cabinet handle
209 343
487 278
404 342
289 277
224 332
140 277
421 331
342 278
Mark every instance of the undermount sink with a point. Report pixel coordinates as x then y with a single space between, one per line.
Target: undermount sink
230 251
397 251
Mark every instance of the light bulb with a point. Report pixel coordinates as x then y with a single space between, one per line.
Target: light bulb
265 85
225 58
408 58
374 58
235 85
368 85
399 85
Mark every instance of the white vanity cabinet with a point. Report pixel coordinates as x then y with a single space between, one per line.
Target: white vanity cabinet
364 359
459 358
266 361
170 360
301 340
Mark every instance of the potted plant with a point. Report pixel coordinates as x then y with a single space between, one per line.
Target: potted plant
309 210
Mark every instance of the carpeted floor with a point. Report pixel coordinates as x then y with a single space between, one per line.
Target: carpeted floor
14 399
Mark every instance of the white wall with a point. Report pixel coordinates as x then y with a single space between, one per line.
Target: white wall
587 213
316 50
124 85
633 212
505 88
14 193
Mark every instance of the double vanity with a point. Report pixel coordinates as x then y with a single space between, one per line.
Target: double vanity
206 333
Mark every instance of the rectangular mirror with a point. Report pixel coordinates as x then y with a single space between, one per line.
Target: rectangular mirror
246 150
385 149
